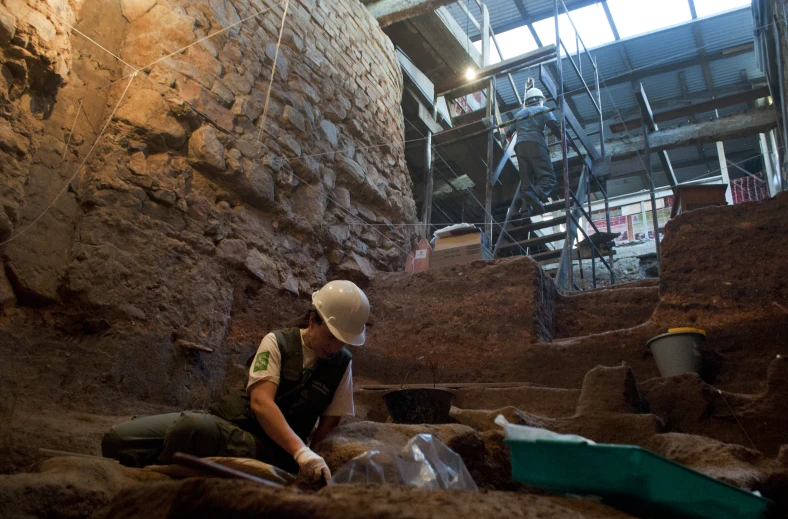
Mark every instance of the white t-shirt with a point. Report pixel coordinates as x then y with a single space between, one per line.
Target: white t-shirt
267 365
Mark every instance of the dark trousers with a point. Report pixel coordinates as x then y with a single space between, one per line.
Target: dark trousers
155 439
536 169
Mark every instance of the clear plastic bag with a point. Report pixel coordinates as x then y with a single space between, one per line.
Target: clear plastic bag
424 462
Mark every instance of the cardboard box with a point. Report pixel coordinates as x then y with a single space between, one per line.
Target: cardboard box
689 198
459 255
461 240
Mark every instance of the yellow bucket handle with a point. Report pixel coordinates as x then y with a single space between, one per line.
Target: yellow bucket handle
687 330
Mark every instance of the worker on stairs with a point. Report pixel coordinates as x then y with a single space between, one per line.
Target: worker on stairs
297 377
537 178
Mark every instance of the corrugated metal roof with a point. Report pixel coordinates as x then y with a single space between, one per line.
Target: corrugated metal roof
674 45
659 47
505 14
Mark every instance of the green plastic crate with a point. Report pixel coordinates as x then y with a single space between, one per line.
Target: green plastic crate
630 478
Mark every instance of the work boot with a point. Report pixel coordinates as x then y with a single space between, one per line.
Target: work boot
521 208
532 200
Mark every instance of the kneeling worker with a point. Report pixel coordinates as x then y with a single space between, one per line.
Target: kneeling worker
297 377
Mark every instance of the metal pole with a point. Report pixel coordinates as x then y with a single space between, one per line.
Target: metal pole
655 216
602 154
601 117
490 159
509 212
488 129
429 184
490 113
783 107
593 249
565 161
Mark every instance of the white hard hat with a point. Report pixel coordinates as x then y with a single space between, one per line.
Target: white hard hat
532 93
345 309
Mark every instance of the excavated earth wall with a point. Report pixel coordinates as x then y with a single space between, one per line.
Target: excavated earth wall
150 280
188 232
723 270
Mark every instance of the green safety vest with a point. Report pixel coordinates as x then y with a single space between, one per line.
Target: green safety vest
302 395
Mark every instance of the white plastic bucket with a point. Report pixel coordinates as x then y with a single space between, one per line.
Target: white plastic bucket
678 351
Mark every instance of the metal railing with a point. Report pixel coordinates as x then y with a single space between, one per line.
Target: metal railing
573 204
565 275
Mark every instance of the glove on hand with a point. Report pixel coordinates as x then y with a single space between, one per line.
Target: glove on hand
311 465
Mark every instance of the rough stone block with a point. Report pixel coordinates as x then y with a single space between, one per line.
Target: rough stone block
146 110
293 41
331 132
164 197
205 150
356 129
307 169
357 268
239 84
263 267
294 119
6 225
329 177
342 197
11 141
234 161
7 26
282 64
610 390
233 249
133 9
206 103
223 93
7 296
289 144
257 185
137 163
335 112
349 171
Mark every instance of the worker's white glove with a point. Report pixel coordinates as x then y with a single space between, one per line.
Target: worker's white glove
311 465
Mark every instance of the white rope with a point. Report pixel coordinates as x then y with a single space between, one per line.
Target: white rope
65 187
273 73
71 133
91 40
253 15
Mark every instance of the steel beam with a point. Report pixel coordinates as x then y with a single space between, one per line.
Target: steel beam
392 11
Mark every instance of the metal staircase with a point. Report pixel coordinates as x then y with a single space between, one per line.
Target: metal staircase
478 143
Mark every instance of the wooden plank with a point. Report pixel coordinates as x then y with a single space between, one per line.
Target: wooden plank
459 86
535 242
392 11
695 108
535 226
744 124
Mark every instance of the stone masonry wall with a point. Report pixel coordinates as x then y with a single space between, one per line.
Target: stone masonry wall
184 220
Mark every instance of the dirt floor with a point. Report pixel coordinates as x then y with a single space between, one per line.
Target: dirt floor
501 322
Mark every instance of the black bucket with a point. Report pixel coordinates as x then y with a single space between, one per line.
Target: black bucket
419 405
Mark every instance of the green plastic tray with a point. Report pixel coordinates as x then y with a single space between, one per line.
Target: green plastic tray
630 478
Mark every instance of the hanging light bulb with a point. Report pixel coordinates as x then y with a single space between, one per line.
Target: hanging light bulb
470 74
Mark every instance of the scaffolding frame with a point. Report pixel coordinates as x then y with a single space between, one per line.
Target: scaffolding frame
592 160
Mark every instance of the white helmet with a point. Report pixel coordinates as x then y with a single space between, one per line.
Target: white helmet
345 309
533 93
